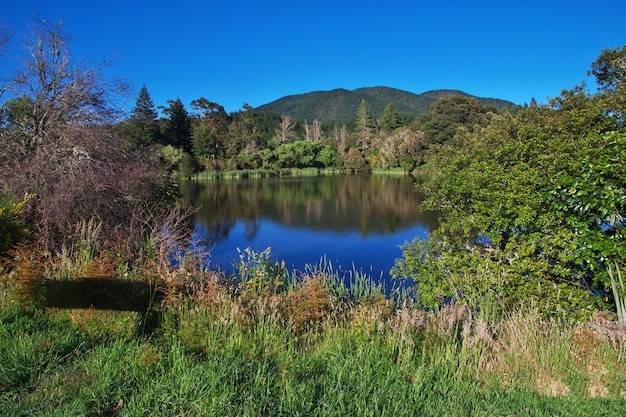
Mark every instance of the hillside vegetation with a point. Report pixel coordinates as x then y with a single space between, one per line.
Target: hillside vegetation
341 104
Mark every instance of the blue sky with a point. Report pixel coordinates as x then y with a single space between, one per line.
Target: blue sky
260 51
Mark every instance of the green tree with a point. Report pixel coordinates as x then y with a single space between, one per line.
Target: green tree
391 118
209 132
243 133
532 208
353 160
610 72
364 124
144 109
142 128
449 113
610 69
327 156
16 113
178 128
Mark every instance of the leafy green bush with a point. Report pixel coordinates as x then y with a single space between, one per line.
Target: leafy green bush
531 206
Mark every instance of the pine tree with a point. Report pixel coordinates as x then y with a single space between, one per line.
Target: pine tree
144 107
365 124
178 130
391 118
142 127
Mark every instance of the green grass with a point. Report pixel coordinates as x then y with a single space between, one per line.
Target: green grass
200 366
390 171
267 173
308 347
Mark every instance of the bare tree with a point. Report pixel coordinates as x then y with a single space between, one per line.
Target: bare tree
341 137
56 142
313 132
285 130
55 91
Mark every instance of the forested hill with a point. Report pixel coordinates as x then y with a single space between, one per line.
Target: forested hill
341 104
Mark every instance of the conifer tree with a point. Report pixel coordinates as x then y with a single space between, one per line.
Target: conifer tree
391 118
178 129
142 128
365 124
144 109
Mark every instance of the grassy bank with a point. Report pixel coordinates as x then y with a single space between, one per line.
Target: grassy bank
269 342
287 172
266 173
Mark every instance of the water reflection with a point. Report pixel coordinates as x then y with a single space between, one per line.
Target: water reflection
306 218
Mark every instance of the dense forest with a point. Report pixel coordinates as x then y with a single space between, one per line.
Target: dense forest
340 104
207 138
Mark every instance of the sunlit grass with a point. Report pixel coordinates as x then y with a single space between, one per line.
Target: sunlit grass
277 342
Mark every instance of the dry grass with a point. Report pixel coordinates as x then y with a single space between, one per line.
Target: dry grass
308 304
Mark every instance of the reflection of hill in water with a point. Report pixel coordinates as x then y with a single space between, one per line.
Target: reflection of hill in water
370 204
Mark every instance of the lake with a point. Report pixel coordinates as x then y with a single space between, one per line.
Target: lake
352 221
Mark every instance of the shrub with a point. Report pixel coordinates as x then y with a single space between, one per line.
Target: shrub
12 227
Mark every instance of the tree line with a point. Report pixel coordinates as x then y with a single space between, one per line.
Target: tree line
208 138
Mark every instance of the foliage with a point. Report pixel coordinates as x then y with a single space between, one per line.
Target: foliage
610 69
532 208
353 160
496 282
178 129
304 154
142 128
402 148
259 274
12 226
450 113
390 119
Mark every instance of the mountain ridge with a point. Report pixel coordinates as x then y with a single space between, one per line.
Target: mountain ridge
342 104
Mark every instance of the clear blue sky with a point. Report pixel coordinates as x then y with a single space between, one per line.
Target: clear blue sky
259 51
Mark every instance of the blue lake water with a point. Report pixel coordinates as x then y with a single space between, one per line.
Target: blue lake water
352 221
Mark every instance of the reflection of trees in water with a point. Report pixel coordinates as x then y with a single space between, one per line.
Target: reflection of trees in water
370 204
215 232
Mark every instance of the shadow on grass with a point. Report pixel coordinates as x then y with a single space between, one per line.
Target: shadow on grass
102 294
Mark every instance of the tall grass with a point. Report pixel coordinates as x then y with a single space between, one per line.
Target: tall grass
275 342
619 291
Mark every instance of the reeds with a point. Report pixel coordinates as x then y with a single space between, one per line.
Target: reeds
619 291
